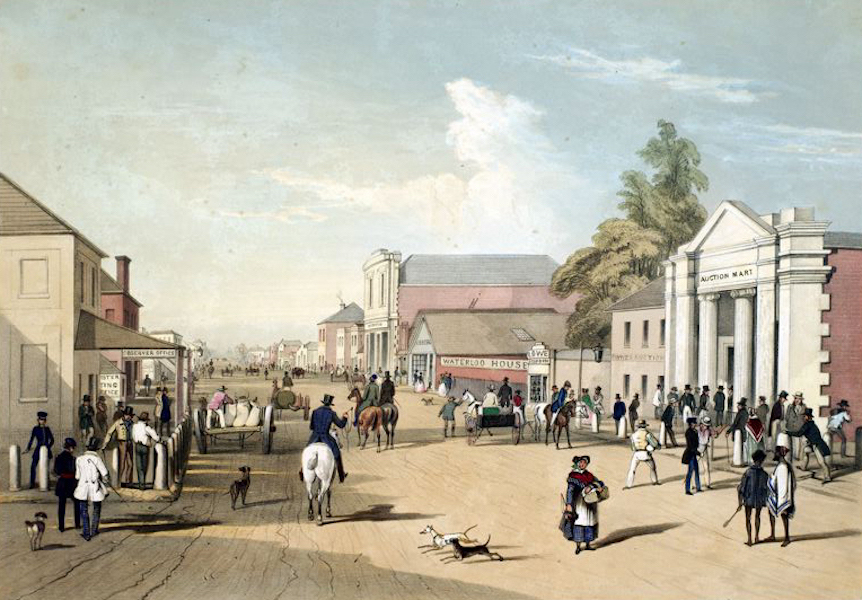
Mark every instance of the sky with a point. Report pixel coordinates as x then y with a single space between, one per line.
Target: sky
249 156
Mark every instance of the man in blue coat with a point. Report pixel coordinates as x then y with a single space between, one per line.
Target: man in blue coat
322 419
42 435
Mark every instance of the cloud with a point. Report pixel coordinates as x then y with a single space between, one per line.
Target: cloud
286 214
670 75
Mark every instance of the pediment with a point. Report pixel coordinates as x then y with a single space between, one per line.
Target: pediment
732 224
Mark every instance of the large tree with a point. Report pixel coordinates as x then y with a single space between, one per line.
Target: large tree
662 213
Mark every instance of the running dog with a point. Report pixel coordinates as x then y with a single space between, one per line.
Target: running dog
427 401
440 541
460 551
240 487
36 529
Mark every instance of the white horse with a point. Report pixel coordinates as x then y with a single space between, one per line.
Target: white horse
472 403
318 467
541 422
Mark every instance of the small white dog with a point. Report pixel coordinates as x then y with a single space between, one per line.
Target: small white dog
441 541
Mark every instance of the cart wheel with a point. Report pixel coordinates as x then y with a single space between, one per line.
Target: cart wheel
266 430
200 430
516 434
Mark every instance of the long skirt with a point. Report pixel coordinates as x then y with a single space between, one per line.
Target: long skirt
581 533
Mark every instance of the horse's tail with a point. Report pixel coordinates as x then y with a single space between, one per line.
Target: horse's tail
311 463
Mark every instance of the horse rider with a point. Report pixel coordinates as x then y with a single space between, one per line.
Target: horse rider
322 419
560 400
371 397
387 390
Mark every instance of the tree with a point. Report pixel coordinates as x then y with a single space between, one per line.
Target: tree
662 213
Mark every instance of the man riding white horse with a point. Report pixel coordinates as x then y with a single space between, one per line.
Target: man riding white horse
322 419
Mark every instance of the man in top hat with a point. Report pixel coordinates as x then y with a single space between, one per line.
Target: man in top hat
719 401
64 468
704 403
142 433
619 410
387 390
667 419
687 401
42 435
776 416
782 489
794 419
122 431
371 397
690 456
835 425
505 394
815 444
643 445
86 412
739 420
322 420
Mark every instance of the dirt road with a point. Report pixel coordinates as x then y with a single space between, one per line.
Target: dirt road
654 539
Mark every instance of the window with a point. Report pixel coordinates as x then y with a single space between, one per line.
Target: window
522 334
93 287
646 335
34 370
81 274
109 314
370 292
661 381
627 380
33 278
627 334
644 386
662 334
382 288
126 319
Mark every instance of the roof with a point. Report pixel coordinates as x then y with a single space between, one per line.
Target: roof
493 332
351 313
310 345
95 333
477 269
842 239
106 367
109 285
22 214
649 296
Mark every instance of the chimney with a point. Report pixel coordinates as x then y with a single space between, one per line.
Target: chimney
123 272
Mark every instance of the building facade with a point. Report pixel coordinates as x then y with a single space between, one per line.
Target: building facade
121 308
380 299
334 337
752 302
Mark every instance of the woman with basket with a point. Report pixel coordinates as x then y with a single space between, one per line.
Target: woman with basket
581 518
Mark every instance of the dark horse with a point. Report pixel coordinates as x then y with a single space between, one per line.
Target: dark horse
390 420
560 423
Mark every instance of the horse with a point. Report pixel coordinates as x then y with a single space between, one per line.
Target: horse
318 467
370 418
390 420
561 422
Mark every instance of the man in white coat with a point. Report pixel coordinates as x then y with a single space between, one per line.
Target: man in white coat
490 398
643 445
90 471
658 402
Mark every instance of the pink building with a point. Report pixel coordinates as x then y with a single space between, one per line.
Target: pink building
121 308
338 338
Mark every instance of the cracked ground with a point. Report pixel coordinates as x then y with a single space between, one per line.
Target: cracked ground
654 540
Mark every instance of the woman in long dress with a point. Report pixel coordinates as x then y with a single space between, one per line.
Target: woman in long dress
581 519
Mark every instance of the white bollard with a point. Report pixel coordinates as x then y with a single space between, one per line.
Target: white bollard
161 472
115 467
594 422
171 461
737 449
151 465
42 468
177 459
622 428
14 468
662 435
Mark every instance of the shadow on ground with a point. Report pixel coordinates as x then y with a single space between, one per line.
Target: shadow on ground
622 535
380 512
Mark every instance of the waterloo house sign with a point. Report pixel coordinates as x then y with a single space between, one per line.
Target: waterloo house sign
484 363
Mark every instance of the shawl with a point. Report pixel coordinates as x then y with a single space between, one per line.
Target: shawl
582 477
754 428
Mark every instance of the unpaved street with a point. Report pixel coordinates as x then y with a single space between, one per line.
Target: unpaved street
651 537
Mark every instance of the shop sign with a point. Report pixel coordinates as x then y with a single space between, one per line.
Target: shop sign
471 362
539 355
155 353
638 358
111 385
726 276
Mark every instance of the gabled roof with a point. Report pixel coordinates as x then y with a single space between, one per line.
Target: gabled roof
95 333
649 296
351 313
842 239
109 285
22 214
477 269
493 332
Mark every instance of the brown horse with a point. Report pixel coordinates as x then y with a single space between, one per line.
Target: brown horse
370 418
560 423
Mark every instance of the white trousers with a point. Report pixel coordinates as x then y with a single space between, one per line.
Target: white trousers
704 462
821 460
220 413
641 456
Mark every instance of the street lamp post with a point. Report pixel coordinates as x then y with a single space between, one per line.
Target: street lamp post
598 353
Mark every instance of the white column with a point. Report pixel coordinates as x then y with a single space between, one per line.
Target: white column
764 349
685 341
115 467
743 344
14 468
622 427
708 340
42 468
161 472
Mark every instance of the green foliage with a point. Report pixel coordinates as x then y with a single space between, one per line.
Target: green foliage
662 213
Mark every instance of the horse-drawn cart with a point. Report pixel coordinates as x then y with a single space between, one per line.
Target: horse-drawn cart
205 434
481 419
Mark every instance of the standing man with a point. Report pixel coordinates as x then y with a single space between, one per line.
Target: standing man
739 422
667 419
64 468
782 489
619 410
101 416
142 433
387 390
776 417
719 401
794 419
42 435
147 383
634 405
835 425
658 402
90 471
447 413
686 400
752 492
286 381
322 419
643 445
705 437
690 455
85 419
762 410
122 430
704 403
505 394
598 404
815 444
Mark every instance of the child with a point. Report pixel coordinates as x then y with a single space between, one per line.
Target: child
447 412
753 493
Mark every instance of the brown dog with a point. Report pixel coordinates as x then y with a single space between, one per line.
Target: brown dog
36 529
461 551
240 487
